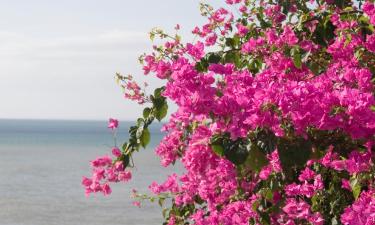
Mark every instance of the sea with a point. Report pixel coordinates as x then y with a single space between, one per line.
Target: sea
41 166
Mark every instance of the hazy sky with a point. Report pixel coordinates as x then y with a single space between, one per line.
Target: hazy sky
58 58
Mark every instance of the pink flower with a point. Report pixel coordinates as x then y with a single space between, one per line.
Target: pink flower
172 220
101 161
107 189
226 69
86 181
265 172
170 185
297 209
288 36
231 2
113 123
243 9
211 39
197 50
116 152
316 219
369 9
242 30
137 204
124 176
362 211
346 184
252 45
119 166
98 174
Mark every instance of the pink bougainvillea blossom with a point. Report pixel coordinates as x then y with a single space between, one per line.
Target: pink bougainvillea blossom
274 120
113 123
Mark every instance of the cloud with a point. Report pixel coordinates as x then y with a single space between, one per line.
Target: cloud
67 77
106 44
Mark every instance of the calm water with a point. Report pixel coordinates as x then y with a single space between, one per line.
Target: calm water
41 166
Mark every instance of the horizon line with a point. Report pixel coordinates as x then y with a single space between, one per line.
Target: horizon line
66 119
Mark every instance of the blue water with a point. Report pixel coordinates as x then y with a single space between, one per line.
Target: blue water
41 166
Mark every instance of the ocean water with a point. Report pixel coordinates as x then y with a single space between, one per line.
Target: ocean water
41 166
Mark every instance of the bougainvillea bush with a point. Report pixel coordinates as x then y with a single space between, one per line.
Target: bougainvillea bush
275 121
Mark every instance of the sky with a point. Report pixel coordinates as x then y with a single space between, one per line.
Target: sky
58 58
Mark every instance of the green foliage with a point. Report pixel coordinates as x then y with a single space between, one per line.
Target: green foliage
356 187
293 154
218 149
160 106
202 65
296 54
241 152
256 159
324 31
265 140
146 112
333 199
233 42
145 137
139 134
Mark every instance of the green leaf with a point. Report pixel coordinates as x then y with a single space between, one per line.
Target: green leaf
286 6
233 57
265 219
356 187
159 103
146 112
255 205
202 66
158 91
256 158
145 138
297 60
293 154
334 221
314 67
152 36
140 122
348 40
314 203
263 23
161 202
265 140
161 111
324 31
371 27
236 152
214 58
363 19
218 149
267 193
255 65
126 160
165 212
232 42
139 132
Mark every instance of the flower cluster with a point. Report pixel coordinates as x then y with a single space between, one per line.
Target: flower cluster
105 170
362 210
132 90
276 115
